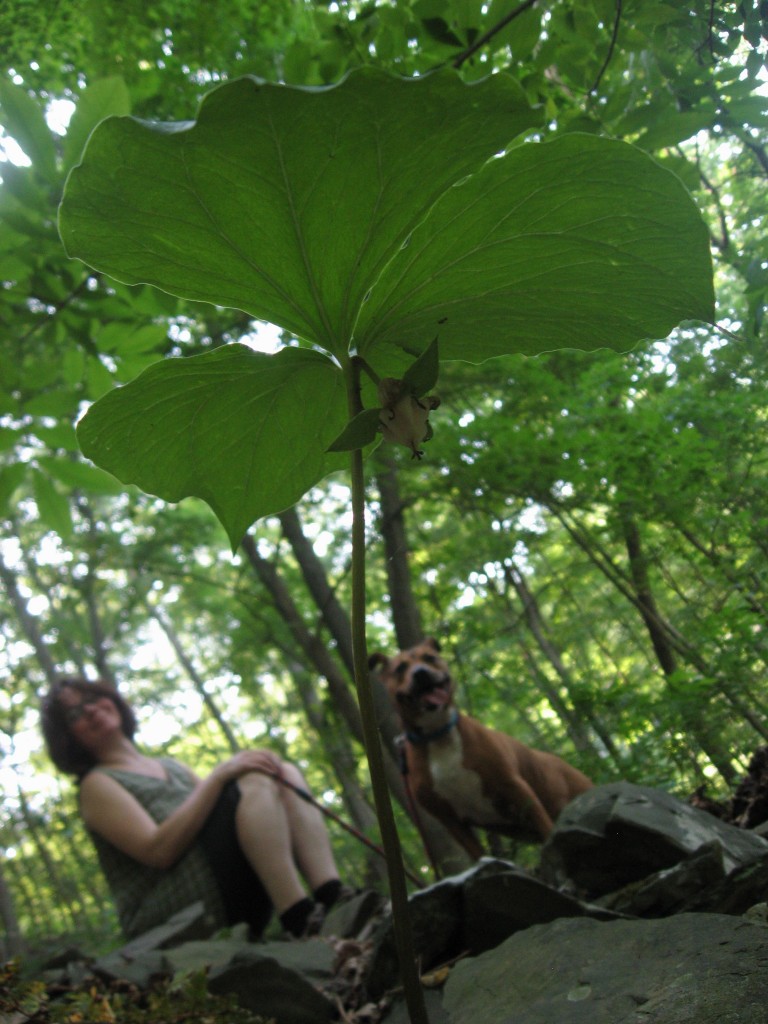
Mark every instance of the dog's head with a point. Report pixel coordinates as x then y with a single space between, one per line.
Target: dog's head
419 683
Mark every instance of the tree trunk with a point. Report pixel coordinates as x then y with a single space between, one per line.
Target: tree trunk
333 614
27 893
62 887
313 648
406 617
625 585
578 734
645 600
89 590
198 683
13 943
654 623
27 622
666 641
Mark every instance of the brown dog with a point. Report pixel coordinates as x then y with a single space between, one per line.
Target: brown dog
464 773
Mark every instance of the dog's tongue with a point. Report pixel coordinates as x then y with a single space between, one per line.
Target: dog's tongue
436 698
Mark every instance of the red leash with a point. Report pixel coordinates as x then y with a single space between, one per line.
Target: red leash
412 805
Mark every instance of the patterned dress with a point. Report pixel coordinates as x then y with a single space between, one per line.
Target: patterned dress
212 870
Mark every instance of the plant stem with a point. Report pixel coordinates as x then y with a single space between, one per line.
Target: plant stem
369 370
409 974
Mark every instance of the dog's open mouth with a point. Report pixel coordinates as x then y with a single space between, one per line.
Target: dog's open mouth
435 698
427 693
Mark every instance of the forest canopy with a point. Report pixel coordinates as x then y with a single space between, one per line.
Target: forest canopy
585 532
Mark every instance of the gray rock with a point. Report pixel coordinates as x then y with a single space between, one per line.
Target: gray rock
63 958
499 902
436 923
433 1004
667 892
757 914
735 894
190 923
351 917
272 991
139 970
140 960
533 952
687 969
469 913
274 979
617 834
311 958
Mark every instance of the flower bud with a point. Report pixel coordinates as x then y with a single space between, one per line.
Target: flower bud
404 419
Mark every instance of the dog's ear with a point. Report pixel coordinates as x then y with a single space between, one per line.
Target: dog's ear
376 660
432 642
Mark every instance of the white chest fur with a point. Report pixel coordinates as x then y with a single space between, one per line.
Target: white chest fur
457 784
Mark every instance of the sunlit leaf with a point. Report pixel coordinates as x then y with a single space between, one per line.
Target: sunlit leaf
284 202
106 97
11 478
246 432
581 242
80 475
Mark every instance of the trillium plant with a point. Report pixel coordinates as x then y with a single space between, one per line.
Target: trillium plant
402 415
385 224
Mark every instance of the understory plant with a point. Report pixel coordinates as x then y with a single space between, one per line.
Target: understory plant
385 224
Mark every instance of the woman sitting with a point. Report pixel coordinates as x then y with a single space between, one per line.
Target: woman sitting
238 840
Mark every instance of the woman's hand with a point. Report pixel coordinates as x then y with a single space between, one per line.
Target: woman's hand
248 761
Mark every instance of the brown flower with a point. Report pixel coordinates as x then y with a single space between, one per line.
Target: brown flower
404 419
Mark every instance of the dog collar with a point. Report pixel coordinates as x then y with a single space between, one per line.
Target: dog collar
428 737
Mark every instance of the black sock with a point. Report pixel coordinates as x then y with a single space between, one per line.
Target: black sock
294 919
328 892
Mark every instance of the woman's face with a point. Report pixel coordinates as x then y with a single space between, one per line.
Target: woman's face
91 718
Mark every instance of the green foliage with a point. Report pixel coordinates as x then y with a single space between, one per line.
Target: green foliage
537 464
297 198
246 432
573 243
169 1001
359 220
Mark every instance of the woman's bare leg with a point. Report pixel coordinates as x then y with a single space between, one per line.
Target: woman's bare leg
309 837
265 835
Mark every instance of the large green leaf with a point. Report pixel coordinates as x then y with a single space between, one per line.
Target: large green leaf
373 216
581 242
244 431
284 202
106 97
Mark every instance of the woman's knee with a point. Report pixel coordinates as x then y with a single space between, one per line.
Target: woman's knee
269 789
292 775
257 784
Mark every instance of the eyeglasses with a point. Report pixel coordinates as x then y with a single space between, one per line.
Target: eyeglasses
75 712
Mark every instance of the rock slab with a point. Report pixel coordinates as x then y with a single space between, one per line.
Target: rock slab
688 969
614 835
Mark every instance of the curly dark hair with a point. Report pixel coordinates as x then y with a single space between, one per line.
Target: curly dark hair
64 750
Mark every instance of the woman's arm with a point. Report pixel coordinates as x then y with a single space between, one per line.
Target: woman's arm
117 816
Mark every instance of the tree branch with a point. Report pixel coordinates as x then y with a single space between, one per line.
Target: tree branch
487 36
611 48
